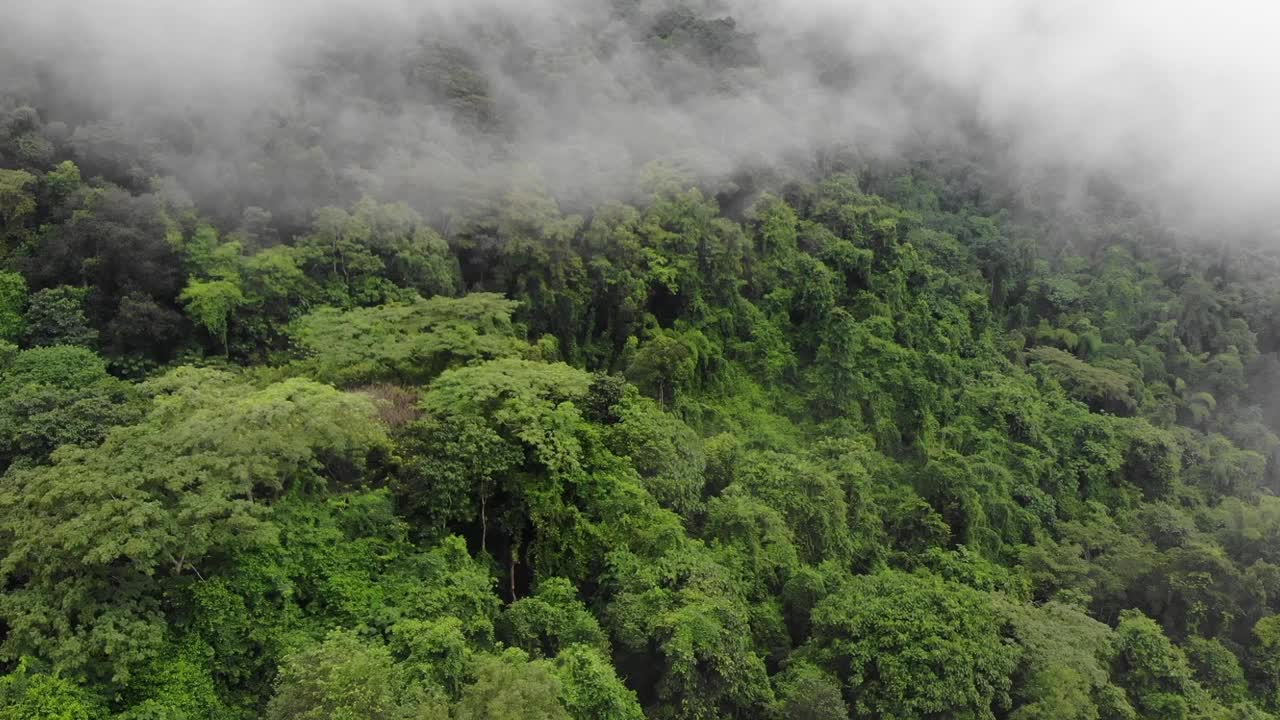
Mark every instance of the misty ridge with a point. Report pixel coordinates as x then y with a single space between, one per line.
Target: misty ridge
289 106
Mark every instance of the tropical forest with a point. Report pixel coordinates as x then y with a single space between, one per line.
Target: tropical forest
386 385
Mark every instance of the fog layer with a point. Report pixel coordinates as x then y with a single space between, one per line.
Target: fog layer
295 103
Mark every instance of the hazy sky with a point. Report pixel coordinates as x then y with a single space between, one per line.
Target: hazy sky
1178 97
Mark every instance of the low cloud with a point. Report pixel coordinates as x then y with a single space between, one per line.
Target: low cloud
292 104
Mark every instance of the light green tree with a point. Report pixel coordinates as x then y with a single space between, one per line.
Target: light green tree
212 304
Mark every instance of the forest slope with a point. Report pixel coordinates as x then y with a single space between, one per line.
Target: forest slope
849 456
313 435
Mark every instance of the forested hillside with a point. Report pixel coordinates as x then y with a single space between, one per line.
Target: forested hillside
884 439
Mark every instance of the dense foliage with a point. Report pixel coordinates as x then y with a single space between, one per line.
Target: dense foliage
871 446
